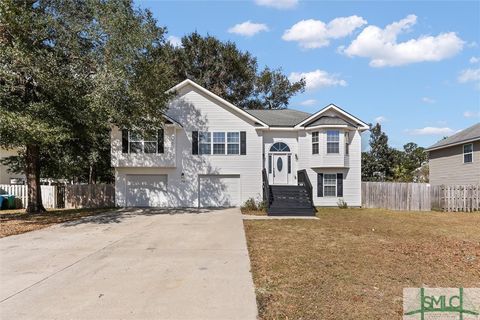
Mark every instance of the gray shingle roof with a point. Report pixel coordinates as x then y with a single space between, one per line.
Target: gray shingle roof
279 118
326 120
471 133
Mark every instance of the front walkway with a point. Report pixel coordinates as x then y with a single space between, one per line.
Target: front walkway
130 265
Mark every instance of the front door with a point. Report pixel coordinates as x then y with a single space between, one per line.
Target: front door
280 170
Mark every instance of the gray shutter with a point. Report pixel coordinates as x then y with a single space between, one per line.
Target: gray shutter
160 141
194 142
319 184
339 184
124 141
243 142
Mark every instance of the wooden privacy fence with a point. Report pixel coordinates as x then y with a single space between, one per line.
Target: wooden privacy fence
66 196
396 196
459 198
89 196
420 196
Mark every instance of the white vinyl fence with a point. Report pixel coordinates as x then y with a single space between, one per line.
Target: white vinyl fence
66 196
49 194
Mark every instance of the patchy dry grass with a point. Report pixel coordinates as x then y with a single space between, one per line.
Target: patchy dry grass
354 263
254 212
17 221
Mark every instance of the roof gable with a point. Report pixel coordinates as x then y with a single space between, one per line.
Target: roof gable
350 119
231 107
469 134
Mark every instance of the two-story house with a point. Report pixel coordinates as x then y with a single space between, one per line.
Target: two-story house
211 153
456 159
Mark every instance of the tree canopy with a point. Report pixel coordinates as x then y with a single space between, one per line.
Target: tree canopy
72 69
69 71
384 163
230 73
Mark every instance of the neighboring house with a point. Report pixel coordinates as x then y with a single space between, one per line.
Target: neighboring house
211 153
456 159
7 177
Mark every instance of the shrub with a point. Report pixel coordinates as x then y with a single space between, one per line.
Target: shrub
250 205
342 204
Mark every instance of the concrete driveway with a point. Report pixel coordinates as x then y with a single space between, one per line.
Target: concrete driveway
130 265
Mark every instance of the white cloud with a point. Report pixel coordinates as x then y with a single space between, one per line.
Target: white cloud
381 47
175 41
431 131
308 102
428 100
316 34
380 119
248 28
471 114
278 4
469 75
474 59
317 79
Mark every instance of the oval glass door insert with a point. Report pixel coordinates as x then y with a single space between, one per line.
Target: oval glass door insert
279 164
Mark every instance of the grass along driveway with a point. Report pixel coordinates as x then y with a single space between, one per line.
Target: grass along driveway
354 263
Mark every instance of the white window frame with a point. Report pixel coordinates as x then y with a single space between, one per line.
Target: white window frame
316 143
142 141
337 142
232 143
467 153
212 143
330 185
208 143
347 143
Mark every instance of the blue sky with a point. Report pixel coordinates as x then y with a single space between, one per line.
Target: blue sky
420 76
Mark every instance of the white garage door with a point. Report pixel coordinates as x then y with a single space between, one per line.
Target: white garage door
219 191
146 190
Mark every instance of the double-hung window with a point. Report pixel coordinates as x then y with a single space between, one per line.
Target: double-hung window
347 143
468 153
205 142
330 185
226 143
333 141
219 143
233 142
315 147
142 142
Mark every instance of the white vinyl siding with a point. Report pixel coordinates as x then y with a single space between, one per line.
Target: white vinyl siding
197 112
326 165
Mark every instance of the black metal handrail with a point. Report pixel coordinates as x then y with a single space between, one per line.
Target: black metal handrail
266 188
303 180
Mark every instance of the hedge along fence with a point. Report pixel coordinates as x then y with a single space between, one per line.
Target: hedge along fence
67 196
420 196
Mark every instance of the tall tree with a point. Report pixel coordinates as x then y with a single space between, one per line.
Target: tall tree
70 69
383 163
230 73
380 156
